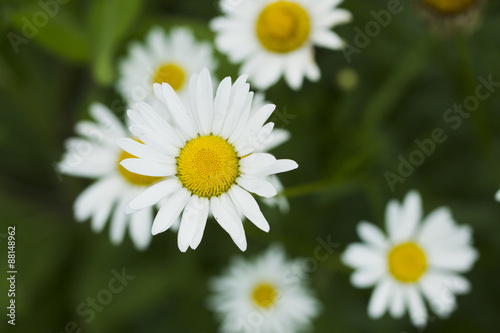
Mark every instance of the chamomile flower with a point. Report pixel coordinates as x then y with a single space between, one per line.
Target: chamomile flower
265 295
171 58
209 156
447 17
274 38
95 155
418 259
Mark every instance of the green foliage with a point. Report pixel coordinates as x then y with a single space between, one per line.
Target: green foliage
344 142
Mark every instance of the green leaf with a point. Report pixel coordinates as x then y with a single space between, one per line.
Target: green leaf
109 21
58 31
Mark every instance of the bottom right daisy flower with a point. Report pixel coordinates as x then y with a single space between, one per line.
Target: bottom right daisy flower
420 258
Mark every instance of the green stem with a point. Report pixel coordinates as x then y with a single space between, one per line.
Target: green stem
481 123
405 71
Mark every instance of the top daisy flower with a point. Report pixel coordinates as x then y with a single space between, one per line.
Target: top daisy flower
165 58
208 156
415 260
275 38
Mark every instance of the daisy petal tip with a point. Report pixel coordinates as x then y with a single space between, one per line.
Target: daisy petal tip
129 210
156 229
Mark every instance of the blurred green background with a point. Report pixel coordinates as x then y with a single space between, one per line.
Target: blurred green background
343 140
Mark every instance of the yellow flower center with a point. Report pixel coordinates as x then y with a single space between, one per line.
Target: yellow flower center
283 26
171 74
407 262
208 166
450 6
134 178
264 295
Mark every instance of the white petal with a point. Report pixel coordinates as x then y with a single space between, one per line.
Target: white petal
295 67
194 215
170 211
397 306
379 300
119 220
159 125
327 39
177 110
255 123
221 105
154 140
198 235
497 196
239 94
108 121
205 101
439 293
247 205
142 151
276 138
411 213
359 255
278 166
256 141
372 235
227 217
87 202
154 194
366 277
393 217
148 168
416 307
435 226
459 259
242 118
140 228
258 186
107 199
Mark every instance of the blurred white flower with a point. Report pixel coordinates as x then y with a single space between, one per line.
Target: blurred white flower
274 38
449 17
418 259
209 154
95 155
265 295
165 58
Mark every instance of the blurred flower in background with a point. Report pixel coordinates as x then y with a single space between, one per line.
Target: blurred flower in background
95 155
265 295
165 58
418 258
277 38
209 157
449 17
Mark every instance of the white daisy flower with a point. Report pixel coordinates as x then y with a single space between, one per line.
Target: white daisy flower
95 155
275 37
266 295
171 58
417 260
208 154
